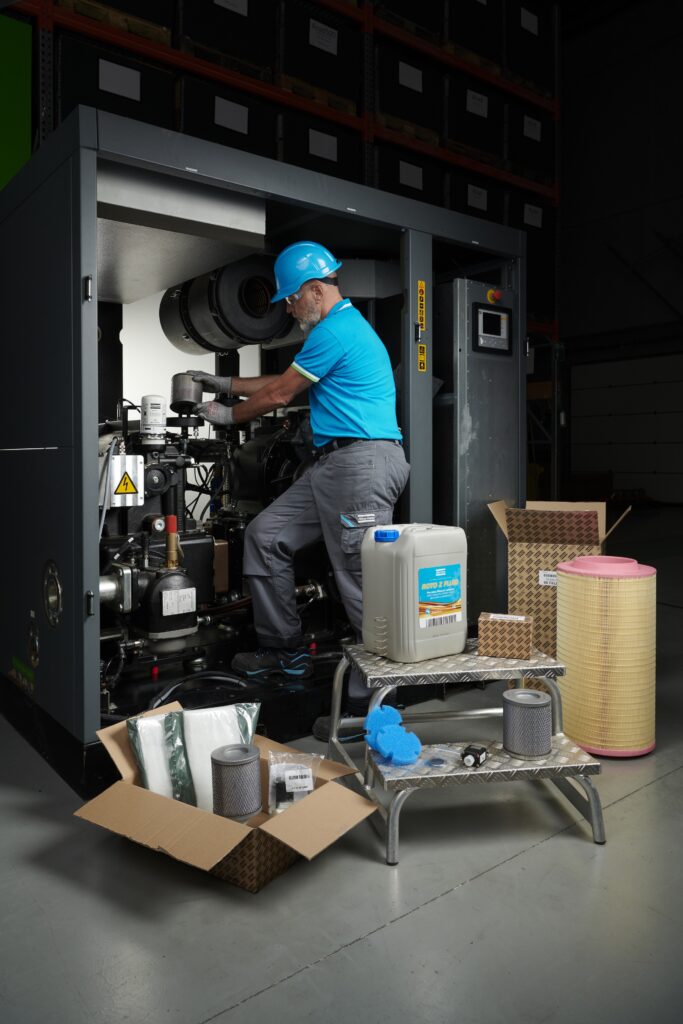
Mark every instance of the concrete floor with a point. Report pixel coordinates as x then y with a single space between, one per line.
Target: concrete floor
501 910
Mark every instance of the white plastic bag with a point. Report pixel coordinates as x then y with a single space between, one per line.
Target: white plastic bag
206 729
159 748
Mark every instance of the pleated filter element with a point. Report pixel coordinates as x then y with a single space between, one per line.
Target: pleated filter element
606 616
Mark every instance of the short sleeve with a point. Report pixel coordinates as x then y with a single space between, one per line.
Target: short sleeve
320 354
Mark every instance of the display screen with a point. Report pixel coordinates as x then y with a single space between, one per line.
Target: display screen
491 324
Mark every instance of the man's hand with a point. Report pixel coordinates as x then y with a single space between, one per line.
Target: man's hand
222 385
214 412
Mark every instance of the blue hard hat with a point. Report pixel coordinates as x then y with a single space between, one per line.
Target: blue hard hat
300 262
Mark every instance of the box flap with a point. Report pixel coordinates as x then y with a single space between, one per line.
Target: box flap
574 506
184 832
619 520
316 822
531 526
497 510
115 741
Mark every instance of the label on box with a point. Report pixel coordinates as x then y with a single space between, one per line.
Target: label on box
231 115
236 6
477 103
299 780
120 80
477 197
439 595
547 578
529 21
409 76
410 175
532 128
324 37
179 602
533 215
323 145
508 618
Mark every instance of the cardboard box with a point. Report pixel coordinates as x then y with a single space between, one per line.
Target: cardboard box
540 536
248 855
505 636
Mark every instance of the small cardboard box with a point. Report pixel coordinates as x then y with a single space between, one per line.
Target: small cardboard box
505 636
248 855
540 536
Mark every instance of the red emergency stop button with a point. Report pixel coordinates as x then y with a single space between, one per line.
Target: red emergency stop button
494 295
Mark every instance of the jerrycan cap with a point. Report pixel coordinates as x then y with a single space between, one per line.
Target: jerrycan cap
384 536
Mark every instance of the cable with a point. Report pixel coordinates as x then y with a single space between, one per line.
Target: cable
107 479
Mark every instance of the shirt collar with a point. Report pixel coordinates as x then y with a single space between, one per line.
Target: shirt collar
338 306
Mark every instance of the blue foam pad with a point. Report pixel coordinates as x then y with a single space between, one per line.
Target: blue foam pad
387 738
406 749
378 719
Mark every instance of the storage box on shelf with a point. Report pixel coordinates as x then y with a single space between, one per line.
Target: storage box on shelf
531 141
211 111
238 34
149 19
530 43
537 217
476 117
110 79
321 145
475 31
409 87
322 55
477 195
409 173
425 20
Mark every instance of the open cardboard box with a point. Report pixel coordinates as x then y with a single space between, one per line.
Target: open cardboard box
540 536
249 855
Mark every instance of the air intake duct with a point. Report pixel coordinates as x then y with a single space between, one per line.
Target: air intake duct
225 309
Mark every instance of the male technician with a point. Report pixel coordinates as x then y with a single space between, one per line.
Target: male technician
359 470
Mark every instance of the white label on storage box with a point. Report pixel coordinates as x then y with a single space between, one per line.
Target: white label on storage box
508 618
532 128
529 20
409 76
477 104
120 80
236 6
533 215
299 780
410 175
178 602
477 197
231 115
323 36
547 578
323 145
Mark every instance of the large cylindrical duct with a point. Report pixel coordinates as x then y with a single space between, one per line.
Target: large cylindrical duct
225 309
606 610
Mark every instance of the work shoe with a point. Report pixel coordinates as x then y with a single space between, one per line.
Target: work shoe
355 708
266 662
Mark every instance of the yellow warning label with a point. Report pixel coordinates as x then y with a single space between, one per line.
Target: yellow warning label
126 486
422 358
422 305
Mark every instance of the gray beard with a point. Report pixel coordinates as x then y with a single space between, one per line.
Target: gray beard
307 326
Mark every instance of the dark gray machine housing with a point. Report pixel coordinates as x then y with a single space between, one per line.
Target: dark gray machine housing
111 209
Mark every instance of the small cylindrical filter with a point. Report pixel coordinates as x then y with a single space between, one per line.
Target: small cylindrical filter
185 393
236 779
527 723
152 419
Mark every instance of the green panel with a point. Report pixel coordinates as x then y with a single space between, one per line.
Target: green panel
15 96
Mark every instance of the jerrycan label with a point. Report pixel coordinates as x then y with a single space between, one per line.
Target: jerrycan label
439 595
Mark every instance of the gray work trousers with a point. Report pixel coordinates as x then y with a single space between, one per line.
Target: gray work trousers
337 499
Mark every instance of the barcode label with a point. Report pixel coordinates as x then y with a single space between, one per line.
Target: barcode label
299 780
440 620
547 578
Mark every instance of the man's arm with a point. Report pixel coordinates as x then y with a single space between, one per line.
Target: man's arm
245 387
277 392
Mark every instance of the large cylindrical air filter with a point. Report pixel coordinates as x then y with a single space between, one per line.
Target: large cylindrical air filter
236 778
527 723
606 613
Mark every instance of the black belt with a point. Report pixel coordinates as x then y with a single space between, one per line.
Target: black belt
344 442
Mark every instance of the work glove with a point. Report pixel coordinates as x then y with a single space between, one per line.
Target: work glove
214 412
219 385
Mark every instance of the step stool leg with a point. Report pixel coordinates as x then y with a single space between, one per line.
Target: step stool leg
392 824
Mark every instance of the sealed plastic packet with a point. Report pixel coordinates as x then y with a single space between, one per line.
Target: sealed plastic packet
291 777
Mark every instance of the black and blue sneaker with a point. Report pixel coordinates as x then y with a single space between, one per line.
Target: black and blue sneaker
266 662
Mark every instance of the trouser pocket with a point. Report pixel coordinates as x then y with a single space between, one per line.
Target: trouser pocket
354 523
